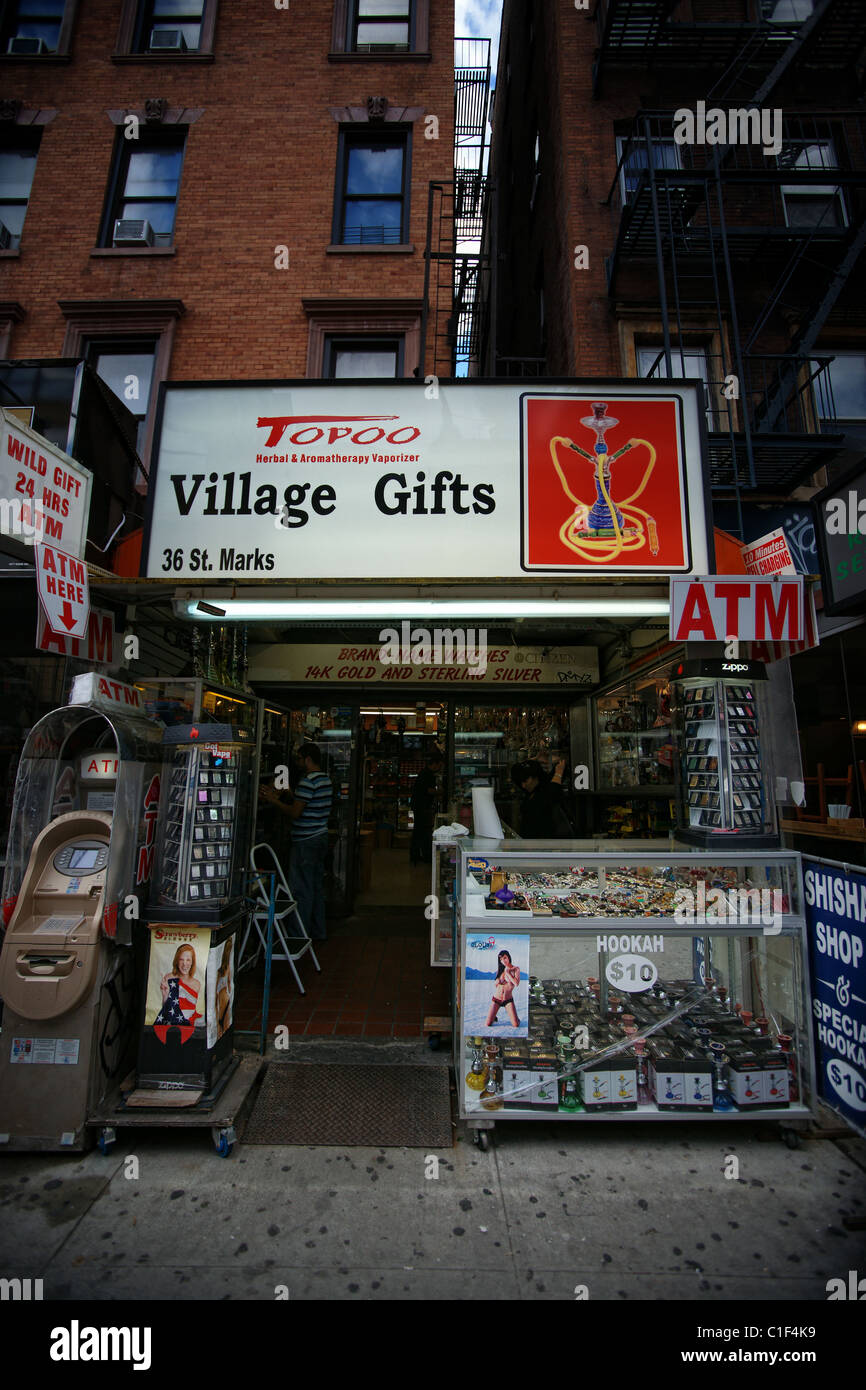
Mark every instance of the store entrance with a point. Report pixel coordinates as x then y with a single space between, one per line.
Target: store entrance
398 744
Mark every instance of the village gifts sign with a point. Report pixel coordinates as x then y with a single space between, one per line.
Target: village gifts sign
401 480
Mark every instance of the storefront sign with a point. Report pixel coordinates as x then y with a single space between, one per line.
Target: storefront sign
64 591
769 555
346 663
717 609
115 697
395 481
100 645
52 489
836 927
841 533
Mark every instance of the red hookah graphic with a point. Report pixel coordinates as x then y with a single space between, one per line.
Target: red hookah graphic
605 531
604 484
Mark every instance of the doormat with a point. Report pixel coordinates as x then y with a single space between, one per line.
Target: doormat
380 1106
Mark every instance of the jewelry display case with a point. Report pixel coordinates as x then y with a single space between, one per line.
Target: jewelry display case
630 984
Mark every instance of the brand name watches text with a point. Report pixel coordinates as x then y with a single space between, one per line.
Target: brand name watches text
394 494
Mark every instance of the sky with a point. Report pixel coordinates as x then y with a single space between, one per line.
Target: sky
478 19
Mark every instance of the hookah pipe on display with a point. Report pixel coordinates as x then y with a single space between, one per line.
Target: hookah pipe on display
600 533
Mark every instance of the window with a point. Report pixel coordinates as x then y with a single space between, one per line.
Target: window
34 27
126 367
812 205
166 30
840 392
665 155
380 26
372 201
685 362
363 357
169 26
786 11
145 188
17 167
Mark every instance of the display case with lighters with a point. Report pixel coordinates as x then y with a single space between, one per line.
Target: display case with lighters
204 826
634 985
724 778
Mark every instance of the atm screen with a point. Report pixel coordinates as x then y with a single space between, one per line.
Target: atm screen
83 858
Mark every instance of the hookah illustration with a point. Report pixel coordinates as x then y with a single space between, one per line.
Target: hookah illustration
605 531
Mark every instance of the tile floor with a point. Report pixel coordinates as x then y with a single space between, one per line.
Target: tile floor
376 981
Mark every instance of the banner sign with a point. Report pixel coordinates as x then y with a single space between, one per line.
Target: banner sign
101 646
841 534
769 555
835 902
64 591
445 662
396 480
44 494
717 608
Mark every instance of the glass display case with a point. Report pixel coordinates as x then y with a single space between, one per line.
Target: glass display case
204 827
634 736
188 699
724 777
632 985
444 866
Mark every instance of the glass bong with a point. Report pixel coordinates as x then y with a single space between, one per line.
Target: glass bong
476 1077
600 518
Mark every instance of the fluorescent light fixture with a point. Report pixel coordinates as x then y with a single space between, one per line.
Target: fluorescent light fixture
394 610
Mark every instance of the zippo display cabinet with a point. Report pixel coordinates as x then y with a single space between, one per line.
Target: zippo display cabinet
707 1000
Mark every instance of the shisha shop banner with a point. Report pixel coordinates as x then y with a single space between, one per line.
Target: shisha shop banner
835 908
401 481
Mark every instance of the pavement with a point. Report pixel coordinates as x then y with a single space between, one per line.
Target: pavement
606 1211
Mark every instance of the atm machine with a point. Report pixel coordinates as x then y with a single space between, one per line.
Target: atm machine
79 860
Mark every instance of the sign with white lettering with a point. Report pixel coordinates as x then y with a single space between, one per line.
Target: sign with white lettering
769 555
64 592
45 494
399 480
841 534
836 928
717 608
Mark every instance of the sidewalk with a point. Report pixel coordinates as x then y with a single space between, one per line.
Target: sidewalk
631 1212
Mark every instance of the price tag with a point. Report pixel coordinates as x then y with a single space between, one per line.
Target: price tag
631 973
848 1083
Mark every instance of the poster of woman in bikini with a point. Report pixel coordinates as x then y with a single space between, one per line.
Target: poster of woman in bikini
175 987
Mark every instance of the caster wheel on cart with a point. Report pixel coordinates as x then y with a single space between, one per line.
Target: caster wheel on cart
433 1042
791 1138
224 1141
482 1139
106 1141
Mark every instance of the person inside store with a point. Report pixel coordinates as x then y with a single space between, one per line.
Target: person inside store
308 807
542 807
423 802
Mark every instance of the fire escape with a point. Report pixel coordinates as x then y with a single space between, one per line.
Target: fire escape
456 257
753 248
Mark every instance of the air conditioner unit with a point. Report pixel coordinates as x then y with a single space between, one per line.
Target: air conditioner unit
167 41
5 236
26 47
130 231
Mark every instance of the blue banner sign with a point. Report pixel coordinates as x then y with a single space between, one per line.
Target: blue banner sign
836 926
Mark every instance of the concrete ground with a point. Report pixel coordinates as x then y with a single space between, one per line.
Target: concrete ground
636 1212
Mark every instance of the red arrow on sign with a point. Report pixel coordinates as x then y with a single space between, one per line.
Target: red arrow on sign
64 592
67 617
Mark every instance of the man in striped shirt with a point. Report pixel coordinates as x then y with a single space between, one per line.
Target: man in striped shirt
309 809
